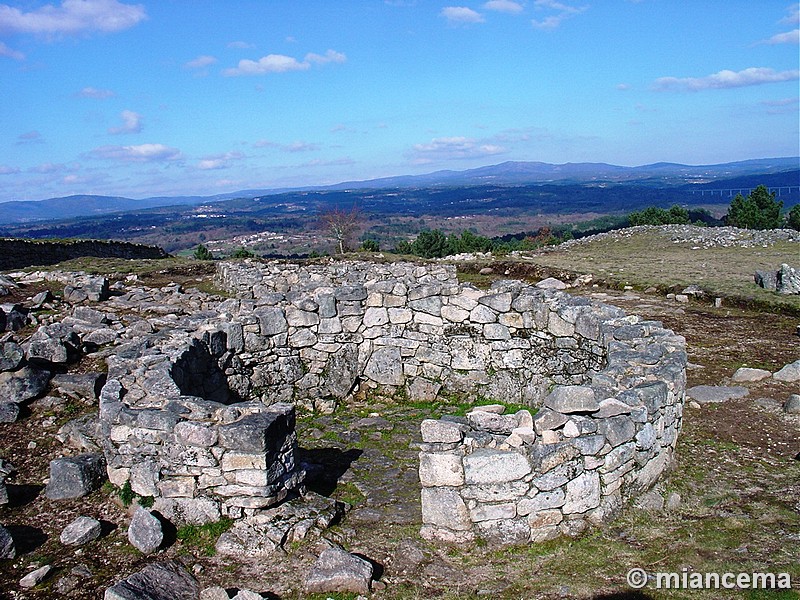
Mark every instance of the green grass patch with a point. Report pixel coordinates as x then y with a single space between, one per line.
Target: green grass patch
203 538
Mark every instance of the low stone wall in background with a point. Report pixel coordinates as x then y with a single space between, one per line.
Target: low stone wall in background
21 253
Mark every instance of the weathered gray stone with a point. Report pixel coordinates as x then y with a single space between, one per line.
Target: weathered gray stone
441 469
11 355
706 394
569 399
9 412
582 493
788 280
167 580
26 383
435 431
617 430
75 477
81 531
145 532
7 547
792 404
336 570
551 283
747 375
259 432
491 422
35 577
789 373
85 386
547 419
444 507
385 366
487 465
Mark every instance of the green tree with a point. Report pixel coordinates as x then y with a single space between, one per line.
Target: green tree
652 215
431 244
759 210
203 253
793 218
370 245
242 253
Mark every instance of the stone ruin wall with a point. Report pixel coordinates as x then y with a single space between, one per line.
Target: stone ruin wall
201 415
17 253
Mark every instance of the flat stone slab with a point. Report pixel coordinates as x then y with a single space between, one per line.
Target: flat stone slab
746 374
710 394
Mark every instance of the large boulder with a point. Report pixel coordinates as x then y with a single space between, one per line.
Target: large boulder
11 355
24 384
76 476
788 280
145 532
336 570
159 581
81 531
790 373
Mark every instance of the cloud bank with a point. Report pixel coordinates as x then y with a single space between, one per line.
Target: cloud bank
724 79
72 17
280 63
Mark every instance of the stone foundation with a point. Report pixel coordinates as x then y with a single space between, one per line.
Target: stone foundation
200 414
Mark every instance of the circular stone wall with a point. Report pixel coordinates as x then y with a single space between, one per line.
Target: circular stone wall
612 387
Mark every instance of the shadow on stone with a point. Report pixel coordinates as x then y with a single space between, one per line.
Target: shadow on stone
168 529
324 467
377 568
20 495
26 538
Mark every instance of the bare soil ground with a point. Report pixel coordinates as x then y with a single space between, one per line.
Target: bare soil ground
737 472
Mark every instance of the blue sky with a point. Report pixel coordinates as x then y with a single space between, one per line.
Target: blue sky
210 96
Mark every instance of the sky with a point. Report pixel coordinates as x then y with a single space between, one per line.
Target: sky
201 97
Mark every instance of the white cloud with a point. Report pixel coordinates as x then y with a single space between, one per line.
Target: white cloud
563 12
140 153
297 146
219 161
453 148
724 79
461 15
201 62
793 18
280 63
331 56
787 37
131 123
10 52
72 17
623 87
6 170
506 6
95 93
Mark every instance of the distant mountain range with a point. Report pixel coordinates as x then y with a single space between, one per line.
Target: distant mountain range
666 175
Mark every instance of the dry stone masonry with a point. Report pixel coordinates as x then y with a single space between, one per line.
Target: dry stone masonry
200 412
